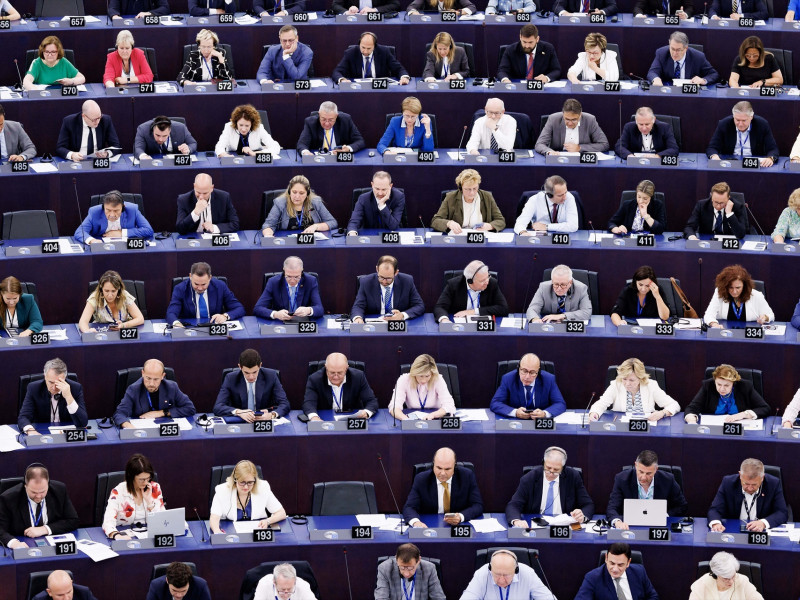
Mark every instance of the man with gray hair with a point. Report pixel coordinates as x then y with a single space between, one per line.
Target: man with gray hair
560 298
330 131
751 496
291 293
646 136
571 130
60 587
744 134
52 399
494 131
553 209
475 292
283 584
678 61
407 575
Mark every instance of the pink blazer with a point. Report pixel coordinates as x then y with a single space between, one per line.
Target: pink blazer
139 62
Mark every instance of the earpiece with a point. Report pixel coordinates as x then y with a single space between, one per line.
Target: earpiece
555 449
470 280
510 553
548 195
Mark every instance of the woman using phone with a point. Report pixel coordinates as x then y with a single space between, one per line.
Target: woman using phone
133 499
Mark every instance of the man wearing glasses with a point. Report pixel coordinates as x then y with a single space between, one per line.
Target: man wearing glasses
284 584
571 130
505 577
551 210
292 293
407 576
528 392
494 131
388 293
560 298
287 61
86 134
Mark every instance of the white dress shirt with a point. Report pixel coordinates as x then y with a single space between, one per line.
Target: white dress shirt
539 209
556 508
481 136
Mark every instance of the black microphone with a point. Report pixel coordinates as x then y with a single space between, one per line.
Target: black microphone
644 83
396 506
421 222
202 523
77 201
19 76
758 225
4 548
586 412
108 17
541 568
347 571
705 6
596 240
463 133
394 419
700 275
525 297
620 120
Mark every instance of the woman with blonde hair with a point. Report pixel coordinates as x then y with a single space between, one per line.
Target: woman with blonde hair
110 304
422 388
245 497
445 60
634 392
300 209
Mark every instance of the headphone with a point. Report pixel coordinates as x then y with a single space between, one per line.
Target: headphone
555 449
548 195
160 121
236 466
470 279
509 553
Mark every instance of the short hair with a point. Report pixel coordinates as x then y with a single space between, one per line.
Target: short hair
329 106
529 30
680 37
113 198
249 358
2 110
293 262
595 40
446 39
178 574
571 105
752 467
247 112
635 366
551 182
381 175
721 187
472 268
388 259
407 552
422 365
647 458
723 564
287 28
57 365
749 42
412 104
36 471
368 33
123 37
207 34
156 362
495 99
794 199
730 274
468 176
743 107
620 548
726 372
645 111
136 465
201 269
643 272
284 570
51 39
646 187
558 451
242 469
561 270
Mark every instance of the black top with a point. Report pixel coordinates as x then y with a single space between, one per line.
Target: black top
628 301
749 75
732 314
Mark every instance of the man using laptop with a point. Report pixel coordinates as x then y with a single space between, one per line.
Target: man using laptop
644 482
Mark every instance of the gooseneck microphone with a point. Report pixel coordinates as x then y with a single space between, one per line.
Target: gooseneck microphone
586 412
525 297
421 222
758 225
458 152
541 570
77 200
202 524
19 76
594 233
347 571
389 485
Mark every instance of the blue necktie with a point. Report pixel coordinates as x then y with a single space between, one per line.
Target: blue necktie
201 301
251 397
677 70
562 304
718 223
387 302
548 505
528 390
293 298
665 7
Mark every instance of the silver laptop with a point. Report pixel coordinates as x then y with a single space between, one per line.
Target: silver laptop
167 521
645 513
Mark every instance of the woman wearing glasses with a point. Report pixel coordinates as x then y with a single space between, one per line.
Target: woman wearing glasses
245 497
133 499
51 67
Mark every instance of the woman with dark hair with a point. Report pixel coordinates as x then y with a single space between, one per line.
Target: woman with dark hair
726 393
445 60
111 304
51 68
754 66
736 299
245 134
133 499
19 311
643 214
596 62
641 299
299 209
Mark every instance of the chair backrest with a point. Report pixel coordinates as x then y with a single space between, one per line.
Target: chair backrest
310 72
636 557
449 373
343 498
698 47
418 468
751 570
59 8
219 473
136 199
671 299
254 575
135 287
615 48
161 569
525 556
129 376
770 8
434 130
453 273
20 224
150 57
37 582
754 376
267 200
784 66
675 470
104 483
586 277
7 483
264 121
656 373
31 55
523 200
187 48
504 366
363 190
268 276
316 365
28 287
500 55
25 380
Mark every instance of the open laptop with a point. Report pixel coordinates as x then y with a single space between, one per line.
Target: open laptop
645 513
167 521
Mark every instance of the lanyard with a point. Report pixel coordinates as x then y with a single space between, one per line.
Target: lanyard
328 141
110 314
338 403
149 401
737 311
208 68
368 68
54 411
11 320
245 515
292 299
500 591
640 306
742 142
35 520
422 401
409 594
747 508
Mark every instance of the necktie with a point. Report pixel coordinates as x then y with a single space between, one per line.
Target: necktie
367 68
90 142
446 497
735 6
620 594
562 304
585 7
548 505
528 390
554 218
38 517
387 301
493 144
251 397
529 74
293 298
201 301
718 222
665 7
677 70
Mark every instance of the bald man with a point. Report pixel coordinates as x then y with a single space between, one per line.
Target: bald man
339 388
152 397
528 392
60 587
86 133
511 580
494 131
205 209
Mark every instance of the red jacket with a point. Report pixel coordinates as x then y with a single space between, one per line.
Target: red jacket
139 62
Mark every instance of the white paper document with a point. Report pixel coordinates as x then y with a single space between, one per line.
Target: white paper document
376 521
756 246
513 322
43 167
775 329
489 525
182 422
233 236
594 238
570 418
472 414
246 526
600 155
8 432
89 18
63 537
748 424
95 550
649 322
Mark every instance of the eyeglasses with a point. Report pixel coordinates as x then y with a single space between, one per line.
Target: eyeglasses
531 372
388 279
407 569
50 52
494 113
562 286
552 471
245 484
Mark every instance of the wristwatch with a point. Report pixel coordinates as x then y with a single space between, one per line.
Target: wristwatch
166 412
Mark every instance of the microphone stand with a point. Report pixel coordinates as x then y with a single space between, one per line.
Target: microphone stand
389 485
202 524
586 412
347 571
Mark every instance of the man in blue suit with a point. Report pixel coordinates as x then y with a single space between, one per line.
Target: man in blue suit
444 489
178 583
114 218
678 61
752 9
382 208
203 298
205 209
528 392
388 292
751 496
646 137
339 388
86 133
252 389
369 60
617 579
60 586
37 407
152 397
330 131
163 136
293 293
287 61
744 134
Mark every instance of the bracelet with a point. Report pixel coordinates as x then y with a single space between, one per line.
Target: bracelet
113 535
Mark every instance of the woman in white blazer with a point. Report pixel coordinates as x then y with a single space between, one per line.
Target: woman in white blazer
632 391
245 134
596 63
724 582
245 497
736 299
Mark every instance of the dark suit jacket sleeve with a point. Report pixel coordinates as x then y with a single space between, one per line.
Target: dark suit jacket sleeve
181 406
315 300
699 404
641 586
718 145
230 220
667 138
226 398
556 405
27 412
65 136
230 303
416 307
501 401
506 68
366 397
184 223
706 71
126 406
626 144
692 226
356 139
522 500
279 399
719 506
414 503
495 301
396 69
110 138
765 144
553 68
344 68
615 500
656 68
473 509
747 398
359 308
306 138
61 515
311 396
186 136
445 301
588 590
676 501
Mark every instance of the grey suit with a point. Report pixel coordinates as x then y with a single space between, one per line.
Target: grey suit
590 137
17 141
545 302
426 584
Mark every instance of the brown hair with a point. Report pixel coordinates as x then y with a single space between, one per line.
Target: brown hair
730 274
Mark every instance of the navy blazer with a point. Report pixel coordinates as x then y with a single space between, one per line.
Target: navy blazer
345 133
223 214
352 63
627 212
405 297
770 502
454 299
653 7
511 394
514 62
465 497
36 406
15 516
696 65
69 138
631 140
199 8
382 6
96 223
219 296
702 219
395 135
762 142
290 6
754 9
131 7
136 402
598 585
607 6
159 589
79 592
276 296
625 487
528 497
146 143
367 216
747 398
356 393
233 393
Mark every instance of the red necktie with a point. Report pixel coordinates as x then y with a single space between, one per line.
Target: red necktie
529 74
554 219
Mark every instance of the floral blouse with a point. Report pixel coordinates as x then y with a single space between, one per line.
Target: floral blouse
121 508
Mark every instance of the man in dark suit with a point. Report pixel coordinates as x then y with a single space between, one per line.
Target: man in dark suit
162 136
351 7
178 583
644 482
15 145
551 489
382 208
528 392
388 292
252 389
118 9
568 7
717 215
678 61
339 388
152 397
114 218
418 573
744 134
292 293
60 587
683 8
444 489
369 60
330 131
751 496
205 209
22 512
474 293
86 133
617 578
571 130
54 399
753 9
203 298
646 137
516 60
